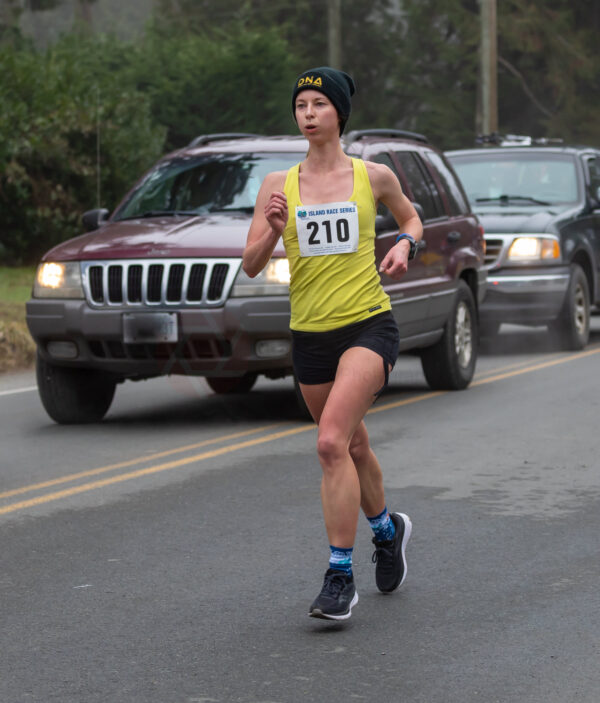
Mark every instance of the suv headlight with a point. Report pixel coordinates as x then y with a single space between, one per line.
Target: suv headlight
58 280
534 249
274 279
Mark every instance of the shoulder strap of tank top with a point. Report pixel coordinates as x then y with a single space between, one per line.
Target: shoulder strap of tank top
362 186
291 187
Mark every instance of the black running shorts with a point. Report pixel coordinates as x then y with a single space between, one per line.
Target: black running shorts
316 354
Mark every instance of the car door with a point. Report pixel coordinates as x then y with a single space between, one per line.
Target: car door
410 294
459 230
434 258
592 163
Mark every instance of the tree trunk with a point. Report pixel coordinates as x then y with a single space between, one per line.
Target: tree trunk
83 10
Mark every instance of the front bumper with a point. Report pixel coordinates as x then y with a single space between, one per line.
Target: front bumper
211 341
525 296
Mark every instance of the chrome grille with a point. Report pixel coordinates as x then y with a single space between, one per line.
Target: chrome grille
155 275
159 283
115 284
196 282
493 249
217 281
134 283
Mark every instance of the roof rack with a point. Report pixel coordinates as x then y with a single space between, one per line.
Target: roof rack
394 133
219 136
515 140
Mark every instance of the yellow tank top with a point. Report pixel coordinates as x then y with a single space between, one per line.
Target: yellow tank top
331 290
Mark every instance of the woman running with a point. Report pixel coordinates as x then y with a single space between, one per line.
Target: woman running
345 338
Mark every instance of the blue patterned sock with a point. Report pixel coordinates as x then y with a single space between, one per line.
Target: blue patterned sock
341 559
382 526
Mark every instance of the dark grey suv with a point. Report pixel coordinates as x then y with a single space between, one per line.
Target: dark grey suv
157 288
539 204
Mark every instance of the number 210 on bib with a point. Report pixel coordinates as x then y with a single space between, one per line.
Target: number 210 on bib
331 228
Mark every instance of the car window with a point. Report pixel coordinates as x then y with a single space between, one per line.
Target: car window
203 184
458 204
422 185
383 158
593 164
546 177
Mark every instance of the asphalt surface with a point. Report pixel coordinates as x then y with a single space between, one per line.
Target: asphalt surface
169 554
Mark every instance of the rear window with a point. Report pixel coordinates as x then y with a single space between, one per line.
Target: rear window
593 164
385 159
547 178
196 185
422 185
458 204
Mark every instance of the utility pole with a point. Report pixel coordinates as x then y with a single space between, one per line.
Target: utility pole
334 36
489 67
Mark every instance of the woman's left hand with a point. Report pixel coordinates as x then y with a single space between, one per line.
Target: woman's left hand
395 262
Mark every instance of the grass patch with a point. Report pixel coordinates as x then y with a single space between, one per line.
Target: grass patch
16 284
17 349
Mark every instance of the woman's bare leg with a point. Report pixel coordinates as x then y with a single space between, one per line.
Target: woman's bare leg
351 473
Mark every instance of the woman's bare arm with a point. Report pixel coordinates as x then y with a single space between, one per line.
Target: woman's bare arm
387 189
268 223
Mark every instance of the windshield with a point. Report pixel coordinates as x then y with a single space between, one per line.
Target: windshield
196 185
526 179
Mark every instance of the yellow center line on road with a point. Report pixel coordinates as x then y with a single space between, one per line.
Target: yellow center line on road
537 367
406 401
132 462
500 369
47 498
151 470
517 364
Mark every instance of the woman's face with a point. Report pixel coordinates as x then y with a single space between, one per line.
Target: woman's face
316 115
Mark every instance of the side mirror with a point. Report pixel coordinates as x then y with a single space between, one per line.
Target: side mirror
420 212
92 219
385 223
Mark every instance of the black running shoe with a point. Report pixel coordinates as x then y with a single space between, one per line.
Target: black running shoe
337 598
389 555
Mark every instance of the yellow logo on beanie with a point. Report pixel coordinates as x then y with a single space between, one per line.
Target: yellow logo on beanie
310 80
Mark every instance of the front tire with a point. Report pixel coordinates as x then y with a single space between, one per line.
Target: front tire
73 396
572 327
450 363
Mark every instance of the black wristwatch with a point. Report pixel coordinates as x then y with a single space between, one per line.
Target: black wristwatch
413 244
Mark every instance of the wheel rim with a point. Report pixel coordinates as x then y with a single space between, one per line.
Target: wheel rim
580 311
463 336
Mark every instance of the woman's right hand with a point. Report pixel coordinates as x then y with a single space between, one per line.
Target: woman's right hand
269 221
276 212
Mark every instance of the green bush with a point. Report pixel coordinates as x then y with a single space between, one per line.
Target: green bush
239 82
54 106
138 99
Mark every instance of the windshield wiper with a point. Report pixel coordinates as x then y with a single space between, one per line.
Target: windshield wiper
160 213
506 198
241 208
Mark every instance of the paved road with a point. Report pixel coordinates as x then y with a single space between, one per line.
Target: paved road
169 554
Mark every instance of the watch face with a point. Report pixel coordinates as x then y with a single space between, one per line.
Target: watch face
413 248
412 252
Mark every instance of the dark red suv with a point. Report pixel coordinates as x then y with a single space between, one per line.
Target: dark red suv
157 288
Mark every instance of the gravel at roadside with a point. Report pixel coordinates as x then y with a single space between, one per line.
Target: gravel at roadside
17 349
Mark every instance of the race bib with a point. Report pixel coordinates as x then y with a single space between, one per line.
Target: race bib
331 228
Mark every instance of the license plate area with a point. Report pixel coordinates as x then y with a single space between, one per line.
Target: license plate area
148 327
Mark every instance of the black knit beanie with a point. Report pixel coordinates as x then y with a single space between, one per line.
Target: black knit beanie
336 85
